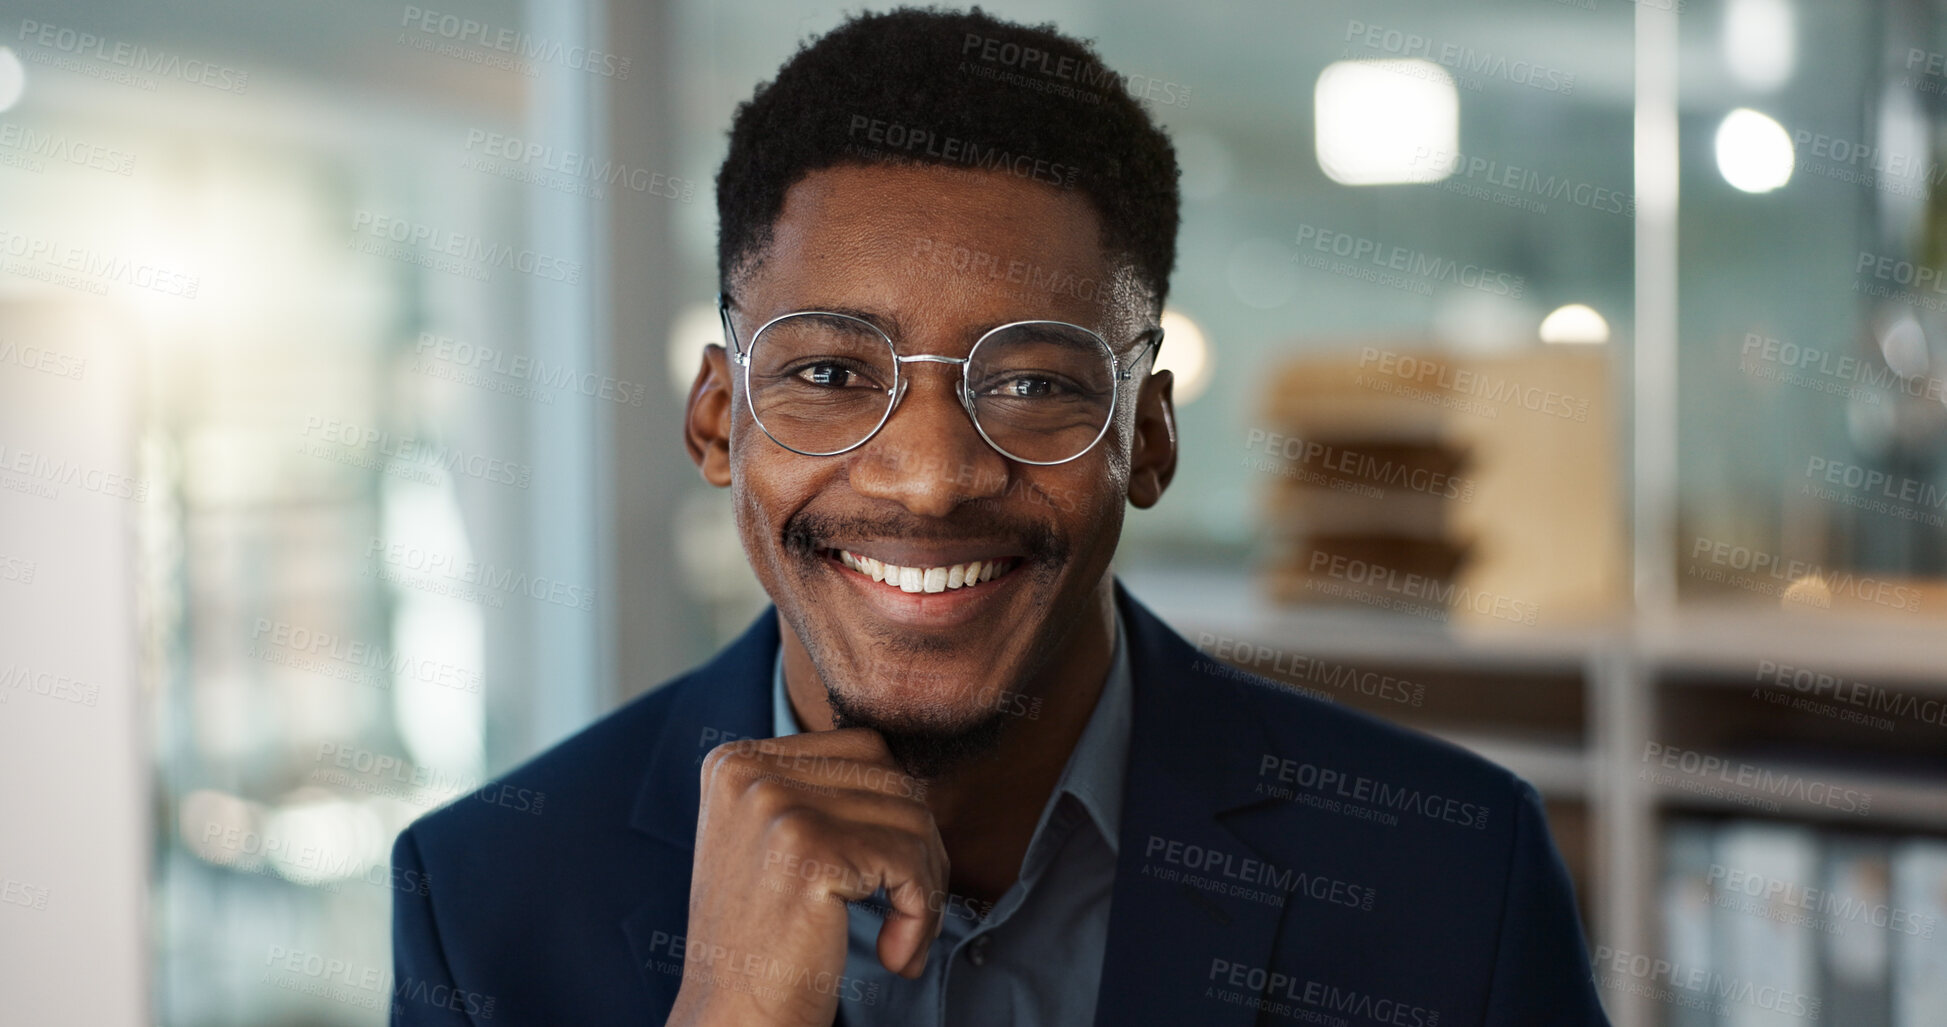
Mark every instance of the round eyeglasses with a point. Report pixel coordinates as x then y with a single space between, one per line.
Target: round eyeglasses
1040 392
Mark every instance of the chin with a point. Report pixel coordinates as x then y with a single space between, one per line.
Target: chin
929 753
924 743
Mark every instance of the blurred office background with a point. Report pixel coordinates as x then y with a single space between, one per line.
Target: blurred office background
1565 378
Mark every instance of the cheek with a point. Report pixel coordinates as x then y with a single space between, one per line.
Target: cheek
1105 517
768 485
1116 447
1083 505
748 514
759 503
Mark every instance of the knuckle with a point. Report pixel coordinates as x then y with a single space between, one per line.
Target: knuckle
725 755
771 795
920 857
797 830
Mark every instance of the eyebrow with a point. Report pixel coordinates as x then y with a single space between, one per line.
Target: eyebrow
886 323
890 325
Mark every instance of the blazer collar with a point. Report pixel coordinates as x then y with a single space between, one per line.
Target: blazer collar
1193 750
721 701
724 700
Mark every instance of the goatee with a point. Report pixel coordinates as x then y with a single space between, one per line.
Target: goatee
924 752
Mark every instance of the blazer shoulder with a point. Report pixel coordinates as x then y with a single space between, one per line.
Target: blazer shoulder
1317 741
1317 722
1315 757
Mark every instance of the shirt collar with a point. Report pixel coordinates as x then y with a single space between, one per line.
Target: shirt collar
1094 772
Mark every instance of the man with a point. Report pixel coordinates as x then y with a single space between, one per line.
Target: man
958 776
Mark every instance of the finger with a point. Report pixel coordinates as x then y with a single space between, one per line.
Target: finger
741 762
918 904
858 743
905 940
856 859
771 797
834 749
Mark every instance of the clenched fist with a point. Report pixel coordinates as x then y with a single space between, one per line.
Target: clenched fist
788 830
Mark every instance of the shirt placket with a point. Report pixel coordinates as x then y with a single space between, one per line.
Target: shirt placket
977 948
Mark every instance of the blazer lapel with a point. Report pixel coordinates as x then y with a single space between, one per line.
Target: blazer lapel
727 699
1171 943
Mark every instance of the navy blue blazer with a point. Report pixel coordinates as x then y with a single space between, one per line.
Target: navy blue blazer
1280 857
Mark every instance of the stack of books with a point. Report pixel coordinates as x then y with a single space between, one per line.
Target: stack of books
1365 518
1459 488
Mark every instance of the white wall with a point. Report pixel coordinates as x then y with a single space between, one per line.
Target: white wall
74 822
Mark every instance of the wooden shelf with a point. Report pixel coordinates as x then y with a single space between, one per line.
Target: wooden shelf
1556 771
1732 639
1901 802
1227 604
1706 639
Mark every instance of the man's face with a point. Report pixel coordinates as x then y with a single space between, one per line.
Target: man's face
935 258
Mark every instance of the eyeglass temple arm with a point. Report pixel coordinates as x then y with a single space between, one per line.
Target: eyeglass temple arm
1151 339
729 328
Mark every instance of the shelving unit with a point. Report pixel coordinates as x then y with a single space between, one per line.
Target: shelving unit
1606 690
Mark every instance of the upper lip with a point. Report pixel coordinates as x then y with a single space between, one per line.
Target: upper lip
909 554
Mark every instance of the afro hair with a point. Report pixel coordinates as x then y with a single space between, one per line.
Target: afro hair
956 89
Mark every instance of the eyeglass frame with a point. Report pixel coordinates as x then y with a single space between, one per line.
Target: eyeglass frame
1118 373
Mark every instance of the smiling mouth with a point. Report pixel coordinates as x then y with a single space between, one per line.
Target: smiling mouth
926 579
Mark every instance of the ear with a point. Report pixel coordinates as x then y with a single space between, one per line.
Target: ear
1153 462
706 421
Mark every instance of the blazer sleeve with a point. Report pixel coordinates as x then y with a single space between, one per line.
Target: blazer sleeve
1541 964
422 985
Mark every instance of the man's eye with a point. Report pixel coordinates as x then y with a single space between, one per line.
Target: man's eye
831 376
1026 387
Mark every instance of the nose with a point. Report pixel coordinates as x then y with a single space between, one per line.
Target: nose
928 457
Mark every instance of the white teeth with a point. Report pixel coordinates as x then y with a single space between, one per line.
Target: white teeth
922 579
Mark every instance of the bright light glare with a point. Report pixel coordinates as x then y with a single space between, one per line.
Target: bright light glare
1186 354
442 727
1753 152
1760 42
1383 122
1904 345
696 325
1575 324
13 78
1807 593
222 828
323 839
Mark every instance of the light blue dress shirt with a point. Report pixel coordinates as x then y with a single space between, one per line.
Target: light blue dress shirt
1035 958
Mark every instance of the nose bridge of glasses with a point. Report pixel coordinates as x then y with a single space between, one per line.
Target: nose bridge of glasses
955 377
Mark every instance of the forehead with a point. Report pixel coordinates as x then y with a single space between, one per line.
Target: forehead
922 240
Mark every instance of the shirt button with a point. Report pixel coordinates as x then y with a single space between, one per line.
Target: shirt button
977 950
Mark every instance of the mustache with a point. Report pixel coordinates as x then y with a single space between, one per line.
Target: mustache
806 533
